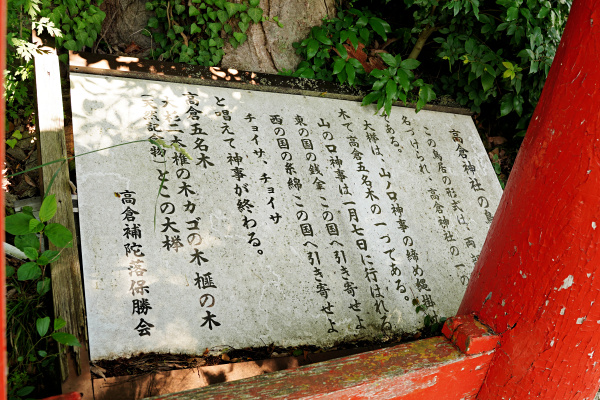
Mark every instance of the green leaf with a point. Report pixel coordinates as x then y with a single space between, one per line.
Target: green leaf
338 66
222 16
31 253
42 325
410 64
66 339
177 29
351 73
43 286
11 142
512 13
487 81
195 29
193 11
378 27
255 13
506 105
48 208
9 270
231 8
42 353
321 36
403 79
243 26
215 26
59 235
59 323
254 3
47 257
240 37
389 59
17 224
391 89
29 271
24 391
371 97
342 50
70 45
353 40
311 48
29 240
179 8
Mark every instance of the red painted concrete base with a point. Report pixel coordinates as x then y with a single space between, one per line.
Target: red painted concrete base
470 335
65 396
427 369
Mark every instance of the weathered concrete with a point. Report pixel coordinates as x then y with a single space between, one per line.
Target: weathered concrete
297 220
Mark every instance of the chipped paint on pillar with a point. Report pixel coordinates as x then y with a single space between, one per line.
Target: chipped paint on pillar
426 369
537 281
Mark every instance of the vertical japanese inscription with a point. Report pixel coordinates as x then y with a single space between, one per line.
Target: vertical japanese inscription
277 218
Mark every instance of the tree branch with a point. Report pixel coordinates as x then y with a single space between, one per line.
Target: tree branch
421 41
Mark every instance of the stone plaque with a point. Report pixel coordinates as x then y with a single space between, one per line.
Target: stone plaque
254 218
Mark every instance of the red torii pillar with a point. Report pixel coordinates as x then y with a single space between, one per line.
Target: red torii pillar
537 282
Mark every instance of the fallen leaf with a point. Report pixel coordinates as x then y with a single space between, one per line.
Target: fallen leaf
29 181
225 357
133 48
497 140
98 370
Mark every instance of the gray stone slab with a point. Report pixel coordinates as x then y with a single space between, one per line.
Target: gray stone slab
296 220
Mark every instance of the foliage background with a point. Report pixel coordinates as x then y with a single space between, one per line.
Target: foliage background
491 56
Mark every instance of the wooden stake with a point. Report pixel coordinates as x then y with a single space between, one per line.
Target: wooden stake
67 288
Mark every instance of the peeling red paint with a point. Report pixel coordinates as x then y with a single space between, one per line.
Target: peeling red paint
427 369
470 335
545 228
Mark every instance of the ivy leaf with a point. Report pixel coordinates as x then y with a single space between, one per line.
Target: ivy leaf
254 3
59 235
66 339
231 9
29 240
222 16
243 26
215 26
42 325
194 11
17 224
195 29
311 48
487 81
29 271
256 14
177 29
179 8
240 37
